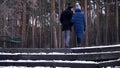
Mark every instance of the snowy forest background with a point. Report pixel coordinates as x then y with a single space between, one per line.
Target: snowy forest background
35 23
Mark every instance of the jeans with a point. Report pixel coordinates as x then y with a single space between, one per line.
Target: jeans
67 37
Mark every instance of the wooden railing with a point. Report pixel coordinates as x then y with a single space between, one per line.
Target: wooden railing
83 57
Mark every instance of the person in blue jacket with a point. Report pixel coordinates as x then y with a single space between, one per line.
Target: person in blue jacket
79 23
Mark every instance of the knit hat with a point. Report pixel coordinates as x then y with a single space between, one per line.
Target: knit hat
78 6
69 6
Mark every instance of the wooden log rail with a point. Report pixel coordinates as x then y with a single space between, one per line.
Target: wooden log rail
102 56
63 50
96 56
35 50
96 49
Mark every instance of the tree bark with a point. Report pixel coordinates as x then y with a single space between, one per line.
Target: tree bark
53 18
24 25
59 46
98 24
33 31
86 37
117 22
106 20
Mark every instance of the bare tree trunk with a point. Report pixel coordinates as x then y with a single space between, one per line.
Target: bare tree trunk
4 32
106 20
34 2
62 34
59 26
40 29
98 24
117 22
53 21
33 31
24 25
86 37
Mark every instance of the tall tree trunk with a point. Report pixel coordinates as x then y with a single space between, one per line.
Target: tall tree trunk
40 29
33 31
24 25
34 2
98 24
42 23
117 22
59 46
106 20
86 37
63 8
53 18
4 32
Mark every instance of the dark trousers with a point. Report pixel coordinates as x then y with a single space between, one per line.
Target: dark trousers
78 42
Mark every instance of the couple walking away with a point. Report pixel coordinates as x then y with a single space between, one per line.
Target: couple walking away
70 18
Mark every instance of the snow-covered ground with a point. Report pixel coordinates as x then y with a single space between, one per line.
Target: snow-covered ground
28 67
105 46
41 67
60 61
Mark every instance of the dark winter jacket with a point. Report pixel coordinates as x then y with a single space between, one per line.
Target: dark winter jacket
65 19
79 23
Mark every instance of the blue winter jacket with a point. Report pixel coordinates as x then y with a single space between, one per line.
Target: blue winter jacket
79 23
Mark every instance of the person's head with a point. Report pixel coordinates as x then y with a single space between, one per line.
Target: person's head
77 6
69 6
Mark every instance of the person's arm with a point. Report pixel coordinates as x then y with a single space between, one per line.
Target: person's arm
73 19
71 23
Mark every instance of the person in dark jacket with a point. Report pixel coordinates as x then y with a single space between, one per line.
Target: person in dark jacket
79 23
65 20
